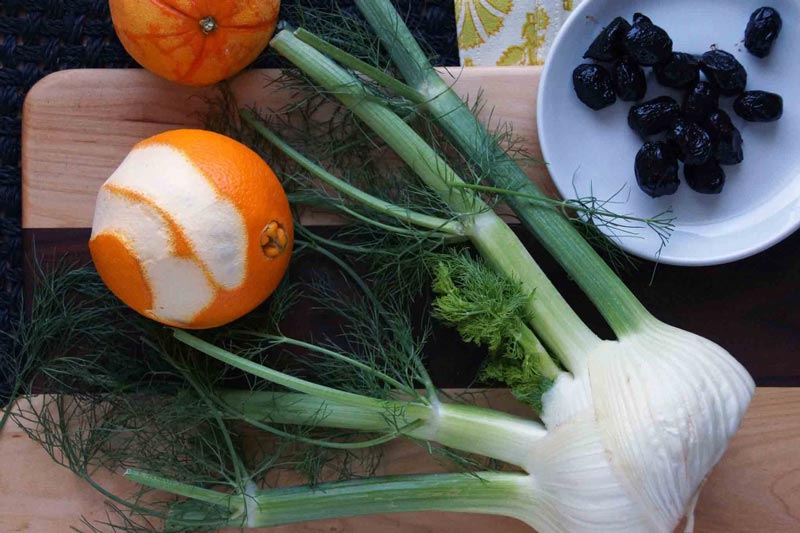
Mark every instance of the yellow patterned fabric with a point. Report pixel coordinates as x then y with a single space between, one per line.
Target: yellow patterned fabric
508 32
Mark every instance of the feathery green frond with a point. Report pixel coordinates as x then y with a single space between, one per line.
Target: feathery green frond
485 307
488 309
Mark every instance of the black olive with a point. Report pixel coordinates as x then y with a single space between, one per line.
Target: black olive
593 86
680 71
609 45
718 124
647 43
657 169
725 137
759 106
729 149
708 178
692 141
629 81
724 71
653 116
762 30
701 100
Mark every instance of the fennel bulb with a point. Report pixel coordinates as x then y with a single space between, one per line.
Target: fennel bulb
633 434
627 440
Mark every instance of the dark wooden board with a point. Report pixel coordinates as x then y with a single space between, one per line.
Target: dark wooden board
752 307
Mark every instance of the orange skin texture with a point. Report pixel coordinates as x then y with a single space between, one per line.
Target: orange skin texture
166 38
238 174
121 270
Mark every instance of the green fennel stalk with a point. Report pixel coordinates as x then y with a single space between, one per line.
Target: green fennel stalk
617 304
550 314
463 427
493 493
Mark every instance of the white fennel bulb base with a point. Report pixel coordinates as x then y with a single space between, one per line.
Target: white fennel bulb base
633 435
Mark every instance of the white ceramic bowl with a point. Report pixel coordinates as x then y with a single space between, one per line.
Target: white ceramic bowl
593 151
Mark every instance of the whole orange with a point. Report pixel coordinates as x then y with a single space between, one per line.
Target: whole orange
192 230
194 42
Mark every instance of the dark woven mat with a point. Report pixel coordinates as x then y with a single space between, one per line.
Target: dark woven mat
38 37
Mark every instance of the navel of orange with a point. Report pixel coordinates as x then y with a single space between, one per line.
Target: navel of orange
193 229
194 42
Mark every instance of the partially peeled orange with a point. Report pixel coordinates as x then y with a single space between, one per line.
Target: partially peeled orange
193 229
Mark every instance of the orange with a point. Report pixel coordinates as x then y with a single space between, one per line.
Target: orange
194 42
193 229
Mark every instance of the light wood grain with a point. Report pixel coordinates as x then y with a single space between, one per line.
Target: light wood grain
755 488
78 125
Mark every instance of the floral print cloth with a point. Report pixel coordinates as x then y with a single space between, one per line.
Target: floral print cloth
508 32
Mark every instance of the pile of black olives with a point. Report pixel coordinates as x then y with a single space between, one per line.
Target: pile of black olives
695 131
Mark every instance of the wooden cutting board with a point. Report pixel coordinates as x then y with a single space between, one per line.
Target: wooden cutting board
77 127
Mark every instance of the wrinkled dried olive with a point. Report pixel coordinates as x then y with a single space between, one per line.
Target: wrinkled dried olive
679 72
593 86
729 150
629 81
701 100
656 169
724 71
609 45
759 106
646 43
762 30
725 137
653 116
708 178
692 142
718 124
